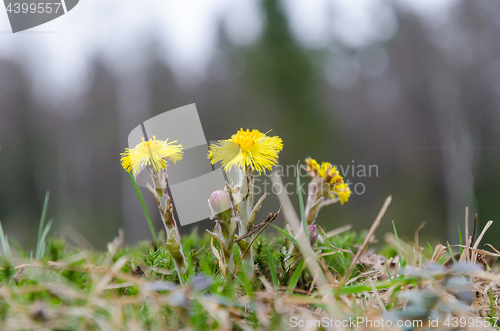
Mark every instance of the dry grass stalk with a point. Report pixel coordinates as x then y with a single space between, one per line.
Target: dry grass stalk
370 234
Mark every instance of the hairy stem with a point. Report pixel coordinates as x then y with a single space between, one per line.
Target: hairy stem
174 244
246 221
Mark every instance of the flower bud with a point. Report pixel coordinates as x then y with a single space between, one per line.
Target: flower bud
313 234
221 205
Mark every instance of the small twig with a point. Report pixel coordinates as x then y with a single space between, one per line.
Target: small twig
271 217
289 212
476 244
376 293
474 231
256 228
416 242
466 253
18 274
370 234
420 227
482 251
268 220
338 249
313 282
251 232
493 248
466 224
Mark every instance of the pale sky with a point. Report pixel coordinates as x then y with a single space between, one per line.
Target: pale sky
59 51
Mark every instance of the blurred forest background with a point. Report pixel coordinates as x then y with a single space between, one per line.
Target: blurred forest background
418 96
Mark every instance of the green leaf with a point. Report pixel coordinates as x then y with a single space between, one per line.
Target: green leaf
295 277
301 203
292 239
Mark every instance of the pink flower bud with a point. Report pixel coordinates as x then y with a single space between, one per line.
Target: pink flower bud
221 205
313 234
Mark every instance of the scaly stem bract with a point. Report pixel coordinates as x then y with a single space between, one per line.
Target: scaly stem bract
174 245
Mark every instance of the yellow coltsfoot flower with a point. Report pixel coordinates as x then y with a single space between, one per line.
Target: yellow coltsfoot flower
152 153
331 182
330 173
312 167
342 191
325 170
247 149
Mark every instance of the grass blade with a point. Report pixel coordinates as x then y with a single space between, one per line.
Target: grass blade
44 214
492 306
40 252
272 268
40 244
432 249
295 277
400 252
387 267
5 244
301 203
348 290
144 207
451 253
292 239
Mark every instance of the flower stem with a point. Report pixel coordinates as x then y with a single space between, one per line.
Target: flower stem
246 207
174 245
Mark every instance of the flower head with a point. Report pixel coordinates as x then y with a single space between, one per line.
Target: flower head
312 167
245 149
331 182
342 191
150 153
330 173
